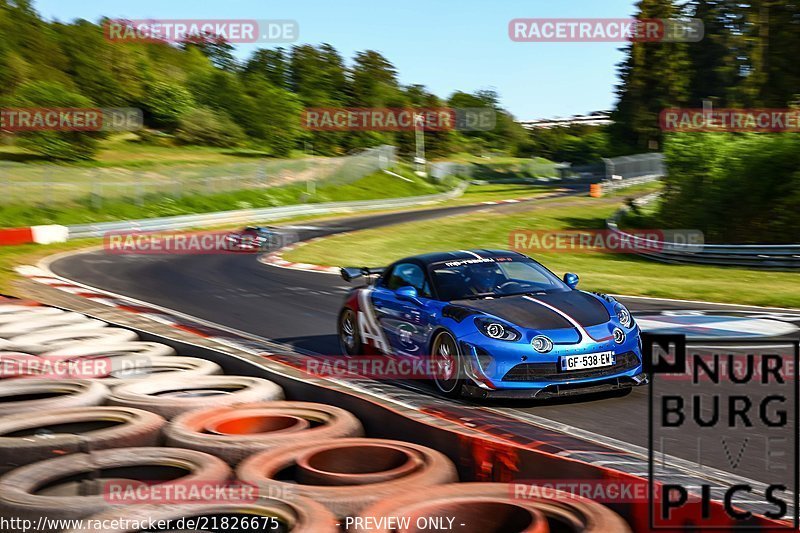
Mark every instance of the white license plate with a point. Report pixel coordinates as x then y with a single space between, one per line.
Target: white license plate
589 360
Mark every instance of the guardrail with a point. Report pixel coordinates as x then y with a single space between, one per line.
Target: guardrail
768 256
245 216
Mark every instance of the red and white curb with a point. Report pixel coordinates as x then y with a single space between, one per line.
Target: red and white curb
276 258
47 234
508 201
179 321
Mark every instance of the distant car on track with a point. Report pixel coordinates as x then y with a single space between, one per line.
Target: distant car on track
496 324
252 238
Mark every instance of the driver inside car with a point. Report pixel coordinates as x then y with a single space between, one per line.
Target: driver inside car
485 278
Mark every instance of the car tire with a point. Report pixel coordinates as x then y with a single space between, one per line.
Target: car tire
171 367
76 485
199 430
450 363
62 337
43 395
495 507
348 329
31 437
171 397
347 475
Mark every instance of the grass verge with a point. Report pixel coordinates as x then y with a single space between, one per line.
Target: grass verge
615 273
373 186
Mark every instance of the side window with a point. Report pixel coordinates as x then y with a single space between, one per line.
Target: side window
409 274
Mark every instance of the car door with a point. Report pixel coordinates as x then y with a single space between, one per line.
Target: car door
404 322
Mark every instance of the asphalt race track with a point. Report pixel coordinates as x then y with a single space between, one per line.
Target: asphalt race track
299 308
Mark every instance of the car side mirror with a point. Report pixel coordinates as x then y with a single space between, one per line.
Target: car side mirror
571 280
408 294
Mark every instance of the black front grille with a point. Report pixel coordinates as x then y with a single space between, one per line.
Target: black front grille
551 372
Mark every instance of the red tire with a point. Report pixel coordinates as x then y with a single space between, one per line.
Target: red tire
494 508
347 475
171 397
234 433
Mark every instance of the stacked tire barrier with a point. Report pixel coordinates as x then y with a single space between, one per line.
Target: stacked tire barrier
98 425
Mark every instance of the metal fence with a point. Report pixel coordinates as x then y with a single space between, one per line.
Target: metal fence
614 172
522 172
768 256
52 184
624 168
634 166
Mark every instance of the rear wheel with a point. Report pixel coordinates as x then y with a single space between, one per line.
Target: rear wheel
349 340
447 365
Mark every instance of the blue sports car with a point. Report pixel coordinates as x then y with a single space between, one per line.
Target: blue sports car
495 324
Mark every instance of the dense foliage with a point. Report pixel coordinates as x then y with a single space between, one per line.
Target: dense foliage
746 58
738 188
179 87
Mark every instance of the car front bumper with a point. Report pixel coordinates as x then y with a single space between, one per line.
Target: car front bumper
555 390
514 369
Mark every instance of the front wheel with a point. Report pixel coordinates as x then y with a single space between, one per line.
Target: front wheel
447 365
349 340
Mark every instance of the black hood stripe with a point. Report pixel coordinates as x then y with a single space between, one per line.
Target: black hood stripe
585 310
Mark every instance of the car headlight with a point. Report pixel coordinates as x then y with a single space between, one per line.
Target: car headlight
496 330
623 315
542 344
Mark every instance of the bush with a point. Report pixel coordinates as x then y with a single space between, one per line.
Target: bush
66 146
206 128
735 188
167 102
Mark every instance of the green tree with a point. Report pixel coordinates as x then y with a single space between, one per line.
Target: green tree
716 60
374 80
653 76
270 64
58 145
216 48
167 102
278 113
225 92
208 128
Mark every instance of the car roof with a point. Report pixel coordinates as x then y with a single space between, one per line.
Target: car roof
456 255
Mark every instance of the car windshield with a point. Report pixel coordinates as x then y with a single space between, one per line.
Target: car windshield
484 278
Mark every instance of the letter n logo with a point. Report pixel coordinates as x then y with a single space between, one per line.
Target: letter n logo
659 356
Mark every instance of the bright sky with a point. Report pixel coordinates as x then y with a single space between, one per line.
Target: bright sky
445 45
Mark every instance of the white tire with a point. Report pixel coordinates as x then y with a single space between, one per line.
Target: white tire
63 337
113 349
42 395
170 368
172 397
29 325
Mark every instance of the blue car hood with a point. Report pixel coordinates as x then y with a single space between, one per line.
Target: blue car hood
526 312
